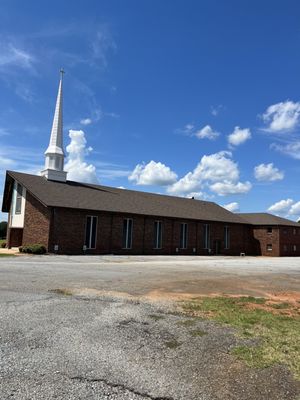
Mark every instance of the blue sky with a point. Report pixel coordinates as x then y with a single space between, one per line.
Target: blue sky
190 98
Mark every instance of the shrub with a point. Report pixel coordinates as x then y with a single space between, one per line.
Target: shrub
33 249
3 245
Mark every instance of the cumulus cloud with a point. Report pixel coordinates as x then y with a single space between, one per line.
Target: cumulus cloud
234 206
207 133
225 188
291 149
217 171
78 169
295 209
239 136
153 173
281 207
282 117
197 195
267 172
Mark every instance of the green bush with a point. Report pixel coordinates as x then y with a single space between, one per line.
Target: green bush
33 249
3 245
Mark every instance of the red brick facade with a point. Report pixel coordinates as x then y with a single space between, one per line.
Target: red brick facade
66 228
277 241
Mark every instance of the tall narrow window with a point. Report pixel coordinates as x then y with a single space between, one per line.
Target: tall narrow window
183 235
226 237
206 236
90 232
127 233
157 234
19 199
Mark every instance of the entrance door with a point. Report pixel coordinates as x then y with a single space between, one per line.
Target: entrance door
217 247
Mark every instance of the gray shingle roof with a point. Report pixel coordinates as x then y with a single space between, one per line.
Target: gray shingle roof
266 219
102 198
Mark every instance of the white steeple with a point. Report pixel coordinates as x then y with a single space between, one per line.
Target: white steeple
54 155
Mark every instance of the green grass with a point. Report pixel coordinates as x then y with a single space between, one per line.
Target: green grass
7 255
279 334
2 241
280 306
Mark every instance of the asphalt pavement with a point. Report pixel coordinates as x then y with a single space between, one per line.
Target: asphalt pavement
100 328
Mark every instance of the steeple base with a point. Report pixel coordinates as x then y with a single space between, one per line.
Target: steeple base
53 175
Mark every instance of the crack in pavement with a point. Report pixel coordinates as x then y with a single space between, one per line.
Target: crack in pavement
118 386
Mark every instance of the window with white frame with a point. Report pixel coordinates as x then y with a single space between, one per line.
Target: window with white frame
157 234
226 237
269 247
206 236
18 208
183 235
127 233
91 232
295 247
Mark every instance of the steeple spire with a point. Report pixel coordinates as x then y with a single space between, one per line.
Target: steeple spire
54 155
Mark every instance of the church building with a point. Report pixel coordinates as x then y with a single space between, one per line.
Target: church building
78 218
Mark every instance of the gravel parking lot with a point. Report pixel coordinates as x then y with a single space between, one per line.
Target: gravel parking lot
107 327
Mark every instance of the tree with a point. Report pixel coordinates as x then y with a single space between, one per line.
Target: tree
3 229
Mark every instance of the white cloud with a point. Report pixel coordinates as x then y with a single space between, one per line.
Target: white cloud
239 136
78 169
12 56
291 149
234 206
102 43
197 195
215 110
217 171
188 128
281 207
207 133
267 172
295 209
282 117
225 188
86 121
153 173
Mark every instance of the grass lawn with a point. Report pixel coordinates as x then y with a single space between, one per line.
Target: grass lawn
7 255
2 241
277 325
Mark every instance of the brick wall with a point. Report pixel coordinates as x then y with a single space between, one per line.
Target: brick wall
66 228
68 232
264 238
289 237
14 237
36 222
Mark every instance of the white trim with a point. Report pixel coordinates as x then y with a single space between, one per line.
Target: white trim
127 233
91 230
